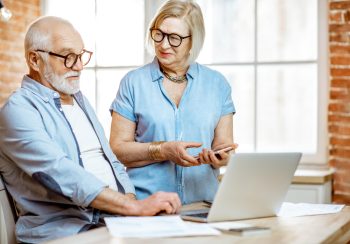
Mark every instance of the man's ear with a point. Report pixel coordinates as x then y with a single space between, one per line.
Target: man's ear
34 60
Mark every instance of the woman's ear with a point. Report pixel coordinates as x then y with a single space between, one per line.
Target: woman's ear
33 60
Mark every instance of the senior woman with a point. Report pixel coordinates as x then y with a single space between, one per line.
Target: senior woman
171 110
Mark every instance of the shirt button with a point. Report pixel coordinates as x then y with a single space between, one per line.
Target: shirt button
55 94
61 109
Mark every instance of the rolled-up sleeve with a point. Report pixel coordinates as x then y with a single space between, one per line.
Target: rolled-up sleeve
228 106
25 141
123 104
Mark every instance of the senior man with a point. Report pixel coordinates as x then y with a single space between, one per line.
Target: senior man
54 156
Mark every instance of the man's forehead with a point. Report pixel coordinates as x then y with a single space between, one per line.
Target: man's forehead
67 42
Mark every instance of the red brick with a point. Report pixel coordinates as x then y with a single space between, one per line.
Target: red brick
336 49
338 110
339 162
340 60
339 152
29 2
340 94
336 17
338 127
339 27
340 71
339 38
339 107
339 5
13 67
346 16
341 198
342 177
338 165
338 118
12 62
341 142
340 83
341 187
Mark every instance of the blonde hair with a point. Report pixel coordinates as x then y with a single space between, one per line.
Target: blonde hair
191 13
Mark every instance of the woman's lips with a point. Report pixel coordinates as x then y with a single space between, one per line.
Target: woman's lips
163 54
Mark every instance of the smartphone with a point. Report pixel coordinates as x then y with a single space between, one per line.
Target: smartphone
249 230
217 152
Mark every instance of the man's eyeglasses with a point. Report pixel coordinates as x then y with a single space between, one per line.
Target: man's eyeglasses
174 39
71 58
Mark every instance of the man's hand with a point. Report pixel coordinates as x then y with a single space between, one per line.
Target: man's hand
116 203
167 202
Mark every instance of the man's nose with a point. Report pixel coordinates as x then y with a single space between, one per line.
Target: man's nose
78 66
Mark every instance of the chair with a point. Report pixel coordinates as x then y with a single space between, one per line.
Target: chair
7 217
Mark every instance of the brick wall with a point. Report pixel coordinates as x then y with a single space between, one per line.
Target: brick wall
12 62
339 103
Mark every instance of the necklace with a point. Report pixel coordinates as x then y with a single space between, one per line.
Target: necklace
175 79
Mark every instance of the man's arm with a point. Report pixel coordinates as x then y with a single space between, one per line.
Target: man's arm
117 203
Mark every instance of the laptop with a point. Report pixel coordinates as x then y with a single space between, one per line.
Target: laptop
254 186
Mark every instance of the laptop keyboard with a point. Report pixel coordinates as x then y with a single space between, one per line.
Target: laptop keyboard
200 215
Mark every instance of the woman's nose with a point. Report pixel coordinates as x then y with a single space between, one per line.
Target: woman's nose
165 43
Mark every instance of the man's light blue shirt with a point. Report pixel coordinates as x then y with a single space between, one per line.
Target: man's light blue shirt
142 99
42 168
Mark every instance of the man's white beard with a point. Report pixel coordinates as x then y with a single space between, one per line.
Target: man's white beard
60 83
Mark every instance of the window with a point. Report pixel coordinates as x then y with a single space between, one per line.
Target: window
273 52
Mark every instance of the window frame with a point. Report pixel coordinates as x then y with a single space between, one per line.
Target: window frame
321 157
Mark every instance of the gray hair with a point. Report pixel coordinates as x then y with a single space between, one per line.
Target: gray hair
39 35
191 13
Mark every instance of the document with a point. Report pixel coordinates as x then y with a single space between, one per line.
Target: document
158 226
289 209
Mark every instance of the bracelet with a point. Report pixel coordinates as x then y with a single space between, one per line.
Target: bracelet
154 150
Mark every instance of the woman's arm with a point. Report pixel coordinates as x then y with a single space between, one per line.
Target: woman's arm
135 154
122 141
223 133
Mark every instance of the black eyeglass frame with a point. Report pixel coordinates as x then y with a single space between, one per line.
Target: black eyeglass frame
167 35
66 56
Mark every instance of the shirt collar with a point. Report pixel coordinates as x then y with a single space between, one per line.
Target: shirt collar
192 72
38 89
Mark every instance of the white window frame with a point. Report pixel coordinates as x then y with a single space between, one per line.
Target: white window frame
321 157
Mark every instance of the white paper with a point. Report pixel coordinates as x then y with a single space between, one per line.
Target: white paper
158 226
302 209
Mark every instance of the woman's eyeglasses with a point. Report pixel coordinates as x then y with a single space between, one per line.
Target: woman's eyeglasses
174 39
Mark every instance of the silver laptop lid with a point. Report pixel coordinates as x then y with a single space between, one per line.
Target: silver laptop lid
254 185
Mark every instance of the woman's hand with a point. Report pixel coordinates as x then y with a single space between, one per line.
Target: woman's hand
131 196
175 151
208 156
